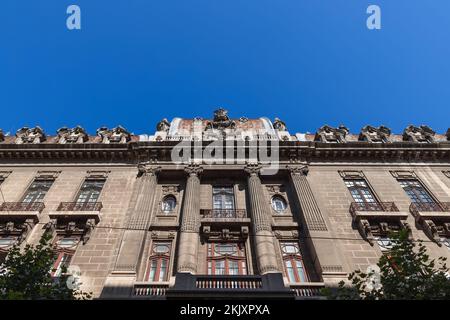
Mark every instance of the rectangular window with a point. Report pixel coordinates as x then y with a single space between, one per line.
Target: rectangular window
65 247
360 191
294 267
37 191
416 192
158 263
226 259
90 191
223 198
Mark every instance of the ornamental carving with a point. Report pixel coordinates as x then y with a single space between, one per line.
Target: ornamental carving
73 135
163 125
279 125
253 168
374 134
18 228
193 169
115 135
81 228
221 121
2 135
30 135
303 170
418 134
147 169
330 134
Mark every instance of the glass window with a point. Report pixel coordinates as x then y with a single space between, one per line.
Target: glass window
158 263
37 191
360 191
65 248
385 243
7 241
279 204
90 191
416 192
226 259
223 198
446 242
293 262
168 204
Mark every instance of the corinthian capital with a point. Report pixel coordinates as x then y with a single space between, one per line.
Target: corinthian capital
298 169
193 169
147 169
253 168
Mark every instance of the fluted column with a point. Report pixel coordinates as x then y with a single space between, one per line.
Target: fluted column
190 223
261 222
322 247
140 213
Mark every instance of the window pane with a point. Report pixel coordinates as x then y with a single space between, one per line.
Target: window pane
163 270
153 266
37 191
223 198
90 191
290 270
278 204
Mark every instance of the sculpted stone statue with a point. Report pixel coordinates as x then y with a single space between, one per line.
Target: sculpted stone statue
279 125
418 134
115 135
73 135
27 135
163 125
330 134
374 134
221 120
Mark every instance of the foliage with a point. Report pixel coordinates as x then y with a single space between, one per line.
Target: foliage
25 275
405 272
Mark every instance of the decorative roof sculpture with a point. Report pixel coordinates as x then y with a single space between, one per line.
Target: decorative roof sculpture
330 134
374 134
418 134
115 135
30 135
72 135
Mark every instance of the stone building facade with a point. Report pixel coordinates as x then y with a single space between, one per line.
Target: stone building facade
139 221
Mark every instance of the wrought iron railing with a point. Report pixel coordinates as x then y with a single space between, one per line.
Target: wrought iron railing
224 213
309 289
228 282
80 206
22 206
150 289
415 207
373 206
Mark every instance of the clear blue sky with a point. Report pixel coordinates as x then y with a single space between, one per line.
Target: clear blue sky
309 62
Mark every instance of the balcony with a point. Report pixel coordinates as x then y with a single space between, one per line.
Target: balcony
433 217
21 210
150 290
77 211
223 213
225 286
368 210
308 290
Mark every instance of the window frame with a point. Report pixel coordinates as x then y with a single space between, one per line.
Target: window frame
164 199
29 189
359 188
423 186
294 259
61 253
212 259
224 195
283 200
160 258
80 190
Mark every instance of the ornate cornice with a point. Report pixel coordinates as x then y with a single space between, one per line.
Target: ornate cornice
148 169
193 169
253 169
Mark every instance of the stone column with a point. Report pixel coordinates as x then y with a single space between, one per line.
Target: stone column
261 222
120 282
323 249
190 223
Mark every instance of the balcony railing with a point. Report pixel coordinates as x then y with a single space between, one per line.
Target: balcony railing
22 206
373 206
224 213
416 207
150 289
307 290
80 206
228 282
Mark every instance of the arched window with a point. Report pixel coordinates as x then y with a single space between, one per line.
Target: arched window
158 263
226 259
279 204
293 262
65 247
168 204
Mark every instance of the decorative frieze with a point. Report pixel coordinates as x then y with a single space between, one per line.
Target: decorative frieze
72 135
115 135
374 134
418 134
30 135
